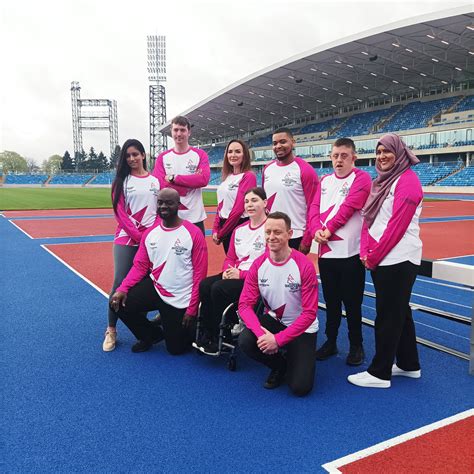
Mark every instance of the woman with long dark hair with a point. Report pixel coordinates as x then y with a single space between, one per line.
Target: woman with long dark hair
391 250
237 179
134 193
218 291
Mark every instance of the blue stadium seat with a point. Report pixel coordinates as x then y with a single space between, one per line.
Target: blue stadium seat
25 178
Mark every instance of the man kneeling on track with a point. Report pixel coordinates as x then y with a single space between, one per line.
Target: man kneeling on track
166 272
286 281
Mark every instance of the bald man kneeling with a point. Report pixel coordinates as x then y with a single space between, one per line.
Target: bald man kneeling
168 267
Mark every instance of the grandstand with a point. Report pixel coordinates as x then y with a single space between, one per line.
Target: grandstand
416 79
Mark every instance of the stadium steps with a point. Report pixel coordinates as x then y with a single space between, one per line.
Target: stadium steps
332 131
456 171
90 181
2 179
50 177
386 119
454 106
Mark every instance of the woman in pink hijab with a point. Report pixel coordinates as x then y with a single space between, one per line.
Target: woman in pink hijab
391 250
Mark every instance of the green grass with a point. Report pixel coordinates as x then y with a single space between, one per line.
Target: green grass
12 199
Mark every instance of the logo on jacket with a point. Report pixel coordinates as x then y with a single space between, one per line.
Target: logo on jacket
292 284
288 180
263 282
178 248
191 166
344 191
232 186
258 244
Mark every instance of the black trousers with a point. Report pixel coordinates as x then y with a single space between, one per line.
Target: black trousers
295 243
201 226
394 328
142 298
343 281
300 355
215 295
226 238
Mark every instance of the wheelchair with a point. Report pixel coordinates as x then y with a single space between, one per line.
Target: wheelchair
229 329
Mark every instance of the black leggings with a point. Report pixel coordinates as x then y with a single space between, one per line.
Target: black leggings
143 297
215 295
300 355
394 328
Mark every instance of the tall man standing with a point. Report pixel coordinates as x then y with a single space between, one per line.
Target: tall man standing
185 169
286 281
290 184
336 223
168 267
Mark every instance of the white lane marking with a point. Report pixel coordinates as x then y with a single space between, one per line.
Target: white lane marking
333 466
19 228
80 275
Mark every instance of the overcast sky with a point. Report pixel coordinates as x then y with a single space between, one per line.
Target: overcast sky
46 44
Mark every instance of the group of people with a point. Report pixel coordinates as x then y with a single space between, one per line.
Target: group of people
161 259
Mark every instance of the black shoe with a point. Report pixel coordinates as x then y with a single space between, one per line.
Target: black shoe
356 355
143 346
275 379
211 348
328 349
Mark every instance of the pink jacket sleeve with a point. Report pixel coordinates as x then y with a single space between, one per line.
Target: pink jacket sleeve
309 181
200 178
364 240
141 264
199 261
354 201
217 220
124 221
231 257
248 181
407 197
314 220
249 297
159 171
309 302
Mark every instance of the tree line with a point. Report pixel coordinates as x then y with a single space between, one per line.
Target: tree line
12 162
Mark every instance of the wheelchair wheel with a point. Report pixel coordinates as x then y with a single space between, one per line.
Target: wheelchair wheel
232 364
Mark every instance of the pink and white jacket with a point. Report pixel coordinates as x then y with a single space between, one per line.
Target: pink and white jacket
394 236
290 189
336 206
230 201
176 260
136 209
246 245
191 173
289 291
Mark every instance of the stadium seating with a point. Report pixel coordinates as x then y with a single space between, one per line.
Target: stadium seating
104 178
465 177
215 177
466 104
328 125
71 178
417 114
25 178
361 124
429 174
216 154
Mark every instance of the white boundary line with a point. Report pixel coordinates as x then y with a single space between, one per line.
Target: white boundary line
103 293
333 466
20 229
82 242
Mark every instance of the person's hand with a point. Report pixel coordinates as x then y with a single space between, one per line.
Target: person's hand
304 249
215 239
188 321
319 237
267 343
232 273
118 299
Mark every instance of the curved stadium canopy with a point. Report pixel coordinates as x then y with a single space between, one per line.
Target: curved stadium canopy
406 59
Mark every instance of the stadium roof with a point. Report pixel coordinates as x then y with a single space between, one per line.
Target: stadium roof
433 52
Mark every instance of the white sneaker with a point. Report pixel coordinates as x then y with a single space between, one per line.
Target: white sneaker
109 341
364 379
413 374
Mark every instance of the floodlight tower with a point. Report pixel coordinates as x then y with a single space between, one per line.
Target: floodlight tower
156 46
